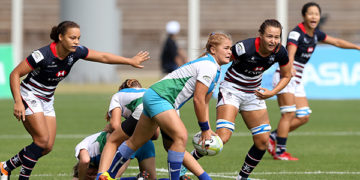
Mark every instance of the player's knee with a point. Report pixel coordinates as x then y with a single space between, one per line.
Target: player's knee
42 141
180 139
303 114
224 129
261 135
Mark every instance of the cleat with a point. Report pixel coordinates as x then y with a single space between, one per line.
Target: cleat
185 177
271 147
143 175
4 175
183 170
105 176
285 156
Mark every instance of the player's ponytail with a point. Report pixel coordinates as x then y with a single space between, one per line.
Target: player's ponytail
130 83
61 29
215 39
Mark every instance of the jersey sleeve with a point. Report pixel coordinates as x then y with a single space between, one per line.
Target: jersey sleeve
293 38
114 103
82 52
206 72
283 57
321 35
35 58
238 49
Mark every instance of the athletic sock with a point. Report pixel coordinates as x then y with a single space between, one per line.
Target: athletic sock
122 155
252 159
175 160
196 154
273 135
204 176
29 159
14 162
280 145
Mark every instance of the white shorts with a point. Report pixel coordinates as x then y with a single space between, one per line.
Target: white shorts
35 105
294 88
241 100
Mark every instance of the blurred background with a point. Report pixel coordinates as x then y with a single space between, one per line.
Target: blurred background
126 27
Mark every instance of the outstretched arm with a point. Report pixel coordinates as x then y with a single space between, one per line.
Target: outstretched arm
109 58
341 43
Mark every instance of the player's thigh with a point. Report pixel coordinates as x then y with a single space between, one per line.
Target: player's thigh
286 99
170 122
301 102
37 127
227 112
255 118
51 126
143 132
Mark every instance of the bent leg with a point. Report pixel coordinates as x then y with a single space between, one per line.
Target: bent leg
302 117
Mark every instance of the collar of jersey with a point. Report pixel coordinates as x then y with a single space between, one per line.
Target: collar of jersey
53 49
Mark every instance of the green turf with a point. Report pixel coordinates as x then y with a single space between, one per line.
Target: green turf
328 146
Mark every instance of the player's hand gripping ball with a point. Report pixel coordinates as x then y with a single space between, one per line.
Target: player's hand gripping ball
212 147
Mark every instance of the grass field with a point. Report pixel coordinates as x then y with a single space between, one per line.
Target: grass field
328 146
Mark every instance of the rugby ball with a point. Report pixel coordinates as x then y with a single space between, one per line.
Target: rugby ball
212 147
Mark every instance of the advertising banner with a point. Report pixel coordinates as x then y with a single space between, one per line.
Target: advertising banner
6 66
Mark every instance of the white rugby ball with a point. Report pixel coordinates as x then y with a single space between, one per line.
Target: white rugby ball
212 147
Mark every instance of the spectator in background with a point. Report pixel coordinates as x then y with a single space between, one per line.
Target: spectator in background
172 56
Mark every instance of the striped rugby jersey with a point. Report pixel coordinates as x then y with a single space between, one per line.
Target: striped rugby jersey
245 73
49 70
305 47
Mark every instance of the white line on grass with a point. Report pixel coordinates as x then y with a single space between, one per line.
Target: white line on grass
226 175
79 136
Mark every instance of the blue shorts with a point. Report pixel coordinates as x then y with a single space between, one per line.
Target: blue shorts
146 151
154 104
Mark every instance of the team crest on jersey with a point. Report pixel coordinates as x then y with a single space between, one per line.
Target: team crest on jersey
71 60
37 55
306 40
271 59
240 48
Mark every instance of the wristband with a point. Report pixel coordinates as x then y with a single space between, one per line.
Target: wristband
204 126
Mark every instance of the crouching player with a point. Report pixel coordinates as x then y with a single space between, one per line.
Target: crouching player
127 103
88 153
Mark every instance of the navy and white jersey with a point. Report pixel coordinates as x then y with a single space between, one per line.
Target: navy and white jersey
245 73
305 46
49 70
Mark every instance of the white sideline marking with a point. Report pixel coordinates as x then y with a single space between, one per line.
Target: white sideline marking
238 134
226 175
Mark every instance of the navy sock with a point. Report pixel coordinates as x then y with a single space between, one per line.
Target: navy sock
175 160
280 145
29 159
273 135
253 157
14 162
204 176
122 155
